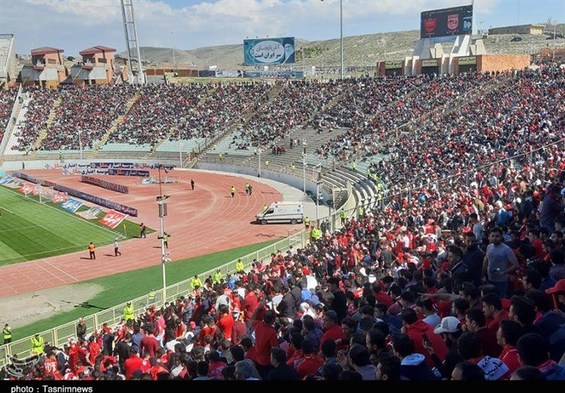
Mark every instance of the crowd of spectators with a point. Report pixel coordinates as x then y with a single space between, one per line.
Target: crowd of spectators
7 99
459 273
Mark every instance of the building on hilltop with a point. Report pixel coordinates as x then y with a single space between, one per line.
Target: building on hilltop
98 67
47 68
519 29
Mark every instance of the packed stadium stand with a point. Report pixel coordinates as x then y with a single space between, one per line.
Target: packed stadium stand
422 156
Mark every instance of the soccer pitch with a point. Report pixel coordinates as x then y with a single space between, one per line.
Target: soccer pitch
31 230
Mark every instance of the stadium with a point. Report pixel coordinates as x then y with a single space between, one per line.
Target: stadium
433 199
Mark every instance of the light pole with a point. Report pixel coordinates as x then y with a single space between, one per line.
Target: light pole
180 151
259 155
162 214
341 36
304 164
80 142
318 181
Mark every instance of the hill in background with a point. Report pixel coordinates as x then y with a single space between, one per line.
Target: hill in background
363 50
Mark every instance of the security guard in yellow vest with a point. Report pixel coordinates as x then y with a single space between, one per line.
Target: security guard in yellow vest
354 165
316 233
129 312
239 266
360 211
196 283
151 296
293 167
217 277
307 222
342 216
7 333
37 344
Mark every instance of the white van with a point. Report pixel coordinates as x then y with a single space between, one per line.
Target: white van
283 211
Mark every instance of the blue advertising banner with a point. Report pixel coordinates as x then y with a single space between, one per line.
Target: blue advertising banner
265 51
71 205
447 22
6 179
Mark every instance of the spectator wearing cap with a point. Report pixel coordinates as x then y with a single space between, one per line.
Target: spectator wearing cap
533 349
416 329
239 329
333 330
558 294
450 329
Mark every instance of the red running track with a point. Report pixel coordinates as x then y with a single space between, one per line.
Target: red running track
200 222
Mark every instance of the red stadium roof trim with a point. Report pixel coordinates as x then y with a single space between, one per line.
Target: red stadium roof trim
96 49
45 50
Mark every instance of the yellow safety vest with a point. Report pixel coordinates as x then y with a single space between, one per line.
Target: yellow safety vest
239 266
196 282
129 313
7 332
37 345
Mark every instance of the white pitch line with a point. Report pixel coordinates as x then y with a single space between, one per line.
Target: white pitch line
62 271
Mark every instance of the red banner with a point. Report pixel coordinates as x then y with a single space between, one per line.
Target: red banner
112 219
59 197
27 188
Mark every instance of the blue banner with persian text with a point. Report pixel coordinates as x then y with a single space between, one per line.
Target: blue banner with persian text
265 51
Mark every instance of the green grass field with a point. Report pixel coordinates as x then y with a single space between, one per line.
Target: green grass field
31 230
122 287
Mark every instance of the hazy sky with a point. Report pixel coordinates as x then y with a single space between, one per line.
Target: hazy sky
74 25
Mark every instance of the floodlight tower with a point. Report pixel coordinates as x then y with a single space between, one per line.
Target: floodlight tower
137 75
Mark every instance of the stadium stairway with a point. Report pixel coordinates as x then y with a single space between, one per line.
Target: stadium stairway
49 123
119 120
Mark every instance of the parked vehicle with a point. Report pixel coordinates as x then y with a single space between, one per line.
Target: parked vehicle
284 211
